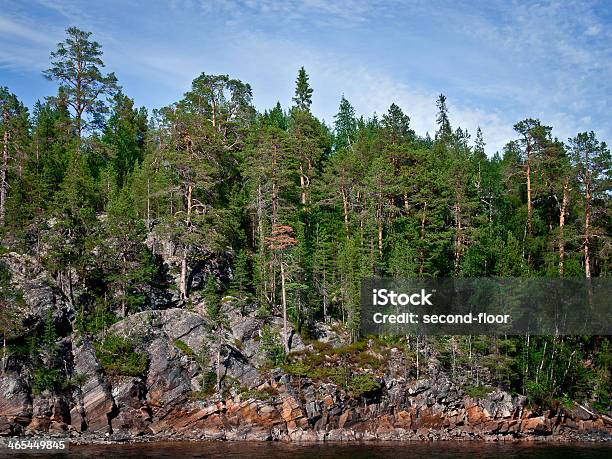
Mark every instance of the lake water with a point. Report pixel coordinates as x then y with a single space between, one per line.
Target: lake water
270 450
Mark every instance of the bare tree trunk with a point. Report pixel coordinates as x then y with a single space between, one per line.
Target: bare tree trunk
183 277
124 288
587 215
4 169
148 203
529 207
562 227
458 237
417 356
284 296
218 388
380 234
3 351
260 232
345 210
325 299
422 253
302 186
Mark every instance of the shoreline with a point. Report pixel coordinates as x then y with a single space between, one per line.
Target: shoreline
347 437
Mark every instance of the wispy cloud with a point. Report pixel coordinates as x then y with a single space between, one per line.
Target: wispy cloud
497 61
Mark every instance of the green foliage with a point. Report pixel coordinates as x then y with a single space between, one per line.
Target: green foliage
303 91
119 356
88 182
208 381
265 394
46 379
99 319
272 347
478 391
362 384
183 347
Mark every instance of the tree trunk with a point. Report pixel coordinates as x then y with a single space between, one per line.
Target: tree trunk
148 204
325 299
219 347
422 250
417 357
183 278
380 234
458 236
4 169
562 227
587 215
302 186
345 208
124 288
284 296
529 209
78 99
3 351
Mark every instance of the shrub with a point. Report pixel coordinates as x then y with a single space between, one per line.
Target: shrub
208 381
273 349
46 379
362 384
478 391
184 347
118 357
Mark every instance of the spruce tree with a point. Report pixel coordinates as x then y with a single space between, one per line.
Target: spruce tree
345 125
303 91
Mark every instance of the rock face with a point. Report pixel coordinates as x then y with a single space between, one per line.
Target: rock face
172 398
42 296
95 406
15 404
298 409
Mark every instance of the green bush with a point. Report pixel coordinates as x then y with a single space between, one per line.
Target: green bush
118 357
46 379
478 391
273 348
208 381
95 321
362 384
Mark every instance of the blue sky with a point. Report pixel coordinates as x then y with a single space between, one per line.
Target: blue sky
497 61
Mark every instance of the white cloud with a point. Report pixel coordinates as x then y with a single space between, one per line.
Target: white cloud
10 28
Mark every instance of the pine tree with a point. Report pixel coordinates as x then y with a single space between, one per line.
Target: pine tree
76 65
592 162
397 125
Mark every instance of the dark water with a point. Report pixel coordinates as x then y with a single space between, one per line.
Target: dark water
268 450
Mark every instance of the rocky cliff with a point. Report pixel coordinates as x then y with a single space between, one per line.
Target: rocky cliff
322 393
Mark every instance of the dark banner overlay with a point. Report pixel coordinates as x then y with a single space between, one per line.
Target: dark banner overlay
486 306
